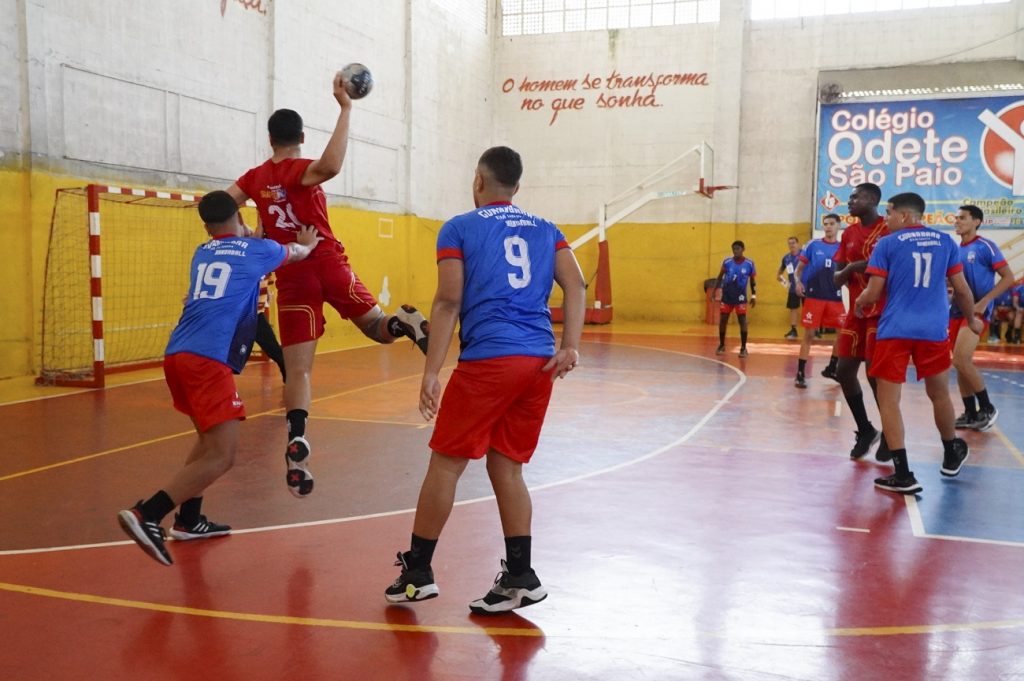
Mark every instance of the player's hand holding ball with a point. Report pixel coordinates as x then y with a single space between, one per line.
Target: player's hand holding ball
358 80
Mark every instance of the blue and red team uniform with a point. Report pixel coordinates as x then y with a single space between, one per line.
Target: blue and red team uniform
823 300
304 286
735 275
214 337
789 264
497 396
981 259
915 263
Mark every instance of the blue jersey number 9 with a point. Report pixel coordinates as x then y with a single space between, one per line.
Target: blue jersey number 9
517 254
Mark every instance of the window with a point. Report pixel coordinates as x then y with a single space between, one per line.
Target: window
785 9
528 17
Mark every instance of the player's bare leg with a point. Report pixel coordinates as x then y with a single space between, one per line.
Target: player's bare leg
517 585
805 353
437 494
903 480
297 397
211 457
742 319
723 324
979 412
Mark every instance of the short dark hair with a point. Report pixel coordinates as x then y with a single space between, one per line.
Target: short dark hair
505 165
793 238
908 200
975 212
738 243
285 127
834 216
217 207
871 188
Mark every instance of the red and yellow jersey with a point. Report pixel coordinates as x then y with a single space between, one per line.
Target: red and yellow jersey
284 204
857 243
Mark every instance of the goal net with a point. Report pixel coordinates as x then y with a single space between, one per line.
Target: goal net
116 275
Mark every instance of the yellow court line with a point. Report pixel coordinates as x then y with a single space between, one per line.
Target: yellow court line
1009 445
270 619
381 421
918 629
19 474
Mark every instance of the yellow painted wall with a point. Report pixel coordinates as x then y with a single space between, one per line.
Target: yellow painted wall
658 270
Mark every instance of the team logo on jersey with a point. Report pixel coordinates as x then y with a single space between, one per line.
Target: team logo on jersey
1002 146
276 193
972 256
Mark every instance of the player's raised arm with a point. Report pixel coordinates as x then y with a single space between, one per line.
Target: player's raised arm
329 163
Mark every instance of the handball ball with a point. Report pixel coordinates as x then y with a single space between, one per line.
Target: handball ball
358 79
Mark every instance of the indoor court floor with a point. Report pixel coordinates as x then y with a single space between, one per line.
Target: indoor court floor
695 517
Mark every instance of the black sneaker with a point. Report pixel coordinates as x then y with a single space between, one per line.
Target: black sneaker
883 454
953 460
414 584
830 372
414 325
510 592
965 421
865 440
743 353
299 479
986 419
202 529
791 334
148 535
894 483
720 350
800 382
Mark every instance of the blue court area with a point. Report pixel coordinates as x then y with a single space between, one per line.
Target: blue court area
986 501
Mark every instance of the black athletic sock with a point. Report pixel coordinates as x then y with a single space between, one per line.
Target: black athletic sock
743 339
860 414
188 514
899 460
801 366
832 362
157 507
296 423
970 406
721 337
421 552
983 402
517 554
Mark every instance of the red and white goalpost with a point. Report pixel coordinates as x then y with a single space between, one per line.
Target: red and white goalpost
116 275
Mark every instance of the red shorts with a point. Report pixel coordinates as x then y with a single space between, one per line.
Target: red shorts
957 323
1002 314
496 404
857 337
303 287
203 389
726 308
892 355
819 313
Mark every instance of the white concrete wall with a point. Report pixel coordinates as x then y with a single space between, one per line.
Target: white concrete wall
178 93
576 158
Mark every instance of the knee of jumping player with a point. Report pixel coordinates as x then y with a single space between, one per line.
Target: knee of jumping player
374 325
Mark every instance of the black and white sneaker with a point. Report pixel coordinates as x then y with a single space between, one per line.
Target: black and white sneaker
953 460
743 353
791 334
965 421
830 372
510 592
986 419
299 479
800 381
414 584
720 350
865 440
202 529
902 485
148 535
414 325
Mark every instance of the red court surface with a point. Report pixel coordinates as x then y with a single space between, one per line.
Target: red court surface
694 518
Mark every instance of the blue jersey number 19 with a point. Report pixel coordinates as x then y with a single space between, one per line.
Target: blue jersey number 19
211 280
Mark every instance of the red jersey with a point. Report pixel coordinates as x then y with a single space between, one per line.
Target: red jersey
284 204
857 243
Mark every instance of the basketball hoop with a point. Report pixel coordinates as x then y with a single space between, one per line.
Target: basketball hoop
709 190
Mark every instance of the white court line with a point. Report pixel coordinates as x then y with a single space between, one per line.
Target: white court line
333 521
839 408
917 526
852 529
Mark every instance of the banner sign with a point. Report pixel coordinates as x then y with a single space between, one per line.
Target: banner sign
950 151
